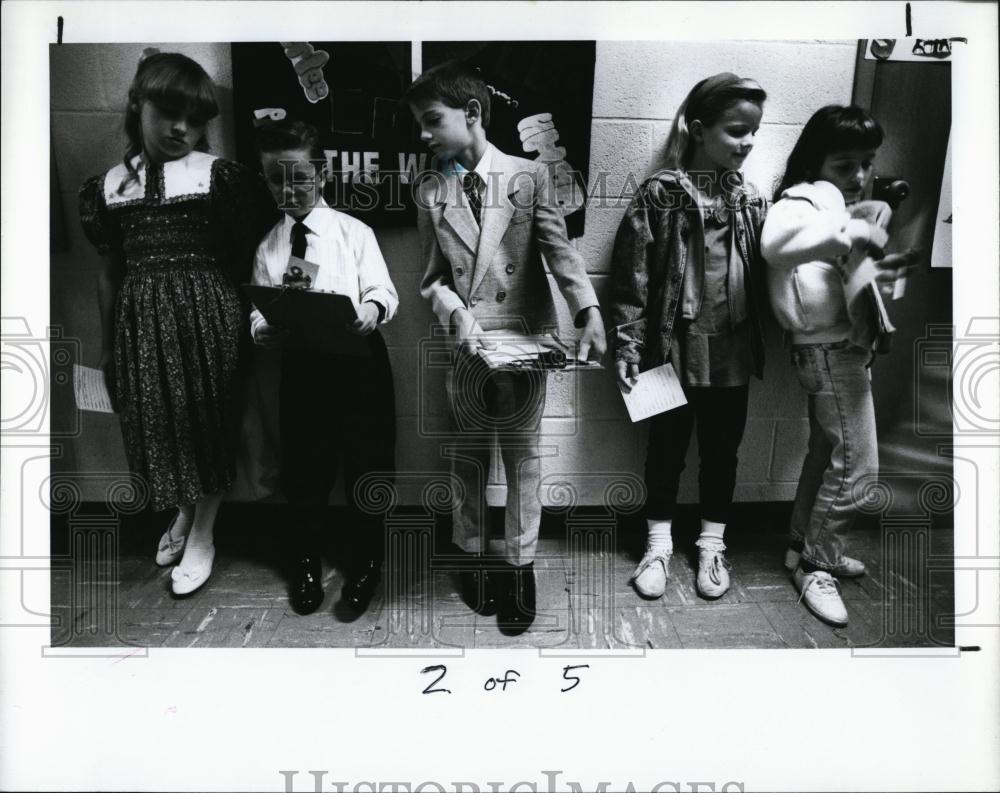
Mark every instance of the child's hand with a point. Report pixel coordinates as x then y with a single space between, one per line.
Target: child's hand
878 238
894 266
367 319
269 336
468 331
593 341
627 374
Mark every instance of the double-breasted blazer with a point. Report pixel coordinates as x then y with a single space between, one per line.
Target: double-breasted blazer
496 270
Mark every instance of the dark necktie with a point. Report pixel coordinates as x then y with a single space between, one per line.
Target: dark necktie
299 231
471 182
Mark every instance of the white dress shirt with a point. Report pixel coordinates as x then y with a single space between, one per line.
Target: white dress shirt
482 168
349 259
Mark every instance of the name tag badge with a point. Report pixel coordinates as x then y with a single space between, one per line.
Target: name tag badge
300 274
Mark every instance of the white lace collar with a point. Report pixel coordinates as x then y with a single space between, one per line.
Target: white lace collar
190 175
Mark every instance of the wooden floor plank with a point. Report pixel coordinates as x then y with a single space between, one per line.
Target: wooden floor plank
218 626
797 627
585 600
723 625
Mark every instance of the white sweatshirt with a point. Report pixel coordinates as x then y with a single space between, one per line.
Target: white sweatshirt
806 240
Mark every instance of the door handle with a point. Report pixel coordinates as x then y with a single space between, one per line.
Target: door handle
890 189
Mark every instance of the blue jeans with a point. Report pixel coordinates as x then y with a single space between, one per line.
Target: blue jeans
843 448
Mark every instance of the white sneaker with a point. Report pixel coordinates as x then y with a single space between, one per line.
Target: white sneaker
650 577
187 578
819 591
713 569
846 567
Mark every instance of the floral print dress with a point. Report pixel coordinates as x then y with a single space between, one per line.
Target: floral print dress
186 232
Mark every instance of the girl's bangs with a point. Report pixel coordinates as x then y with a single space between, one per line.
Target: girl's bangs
187 94
856 134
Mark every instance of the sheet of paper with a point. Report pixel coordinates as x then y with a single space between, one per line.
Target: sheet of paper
656 391
90 389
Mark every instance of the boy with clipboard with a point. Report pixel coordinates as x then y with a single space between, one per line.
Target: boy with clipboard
330 284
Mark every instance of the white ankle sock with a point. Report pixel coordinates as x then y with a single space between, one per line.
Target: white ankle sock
712 531
659 538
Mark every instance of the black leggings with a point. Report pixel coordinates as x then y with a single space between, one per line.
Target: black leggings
721 416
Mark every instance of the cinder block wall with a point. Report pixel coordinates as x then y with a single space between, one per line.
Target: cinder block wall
589 441
637 88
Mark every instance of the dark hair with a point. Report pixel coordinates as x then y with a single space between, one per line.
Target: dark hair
453 84
175 83
287 135
706 102
832 128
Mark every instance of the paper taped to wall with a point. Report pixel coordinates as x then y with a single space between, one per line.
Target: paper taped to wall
90 390
655 391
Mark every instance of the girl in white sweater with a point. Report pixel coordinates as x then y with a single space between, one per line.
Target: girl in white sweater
824 247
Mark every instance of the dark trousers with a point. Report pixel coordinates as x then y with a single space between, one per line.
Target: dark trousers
721 416
337 410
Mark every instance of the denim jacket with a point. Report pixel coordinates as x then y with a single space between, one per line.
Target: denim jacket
651 256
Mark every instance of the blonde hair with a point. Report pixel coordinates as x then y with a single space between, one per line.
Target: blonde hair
706 102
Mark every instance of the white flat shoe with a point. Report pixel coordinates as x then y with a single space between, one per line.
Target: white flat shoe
186 579
170 548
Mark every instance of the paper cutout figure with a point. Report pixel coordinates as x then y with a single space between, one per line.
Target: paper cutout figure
539 133
267 115
308 64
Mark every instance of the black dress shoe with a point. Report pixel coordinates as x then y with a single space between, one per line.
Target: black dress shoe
306 590
478 587
357 592
517 604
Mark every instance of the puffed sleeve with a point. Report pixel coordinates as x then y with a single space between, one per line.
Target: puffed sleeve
98 225
246 212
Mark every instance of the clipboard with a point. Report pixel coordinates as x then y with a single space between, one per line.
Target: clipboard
316 320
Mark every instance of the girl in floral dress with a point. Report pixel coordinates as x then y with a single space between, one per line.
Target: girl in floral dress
177 228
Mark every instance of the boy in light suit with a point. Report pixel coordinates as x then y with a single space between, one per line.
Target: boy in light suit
485 221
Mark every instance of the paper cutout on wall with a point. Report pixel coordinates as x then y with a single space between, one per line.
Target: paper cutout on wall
308 64
350 92
941 249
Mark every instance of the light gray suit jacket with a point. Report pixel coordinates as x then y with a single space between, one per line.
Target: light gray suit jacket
496 271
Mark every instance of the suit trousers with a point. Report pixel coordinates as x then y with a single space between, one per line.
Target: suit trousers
491 408
336 410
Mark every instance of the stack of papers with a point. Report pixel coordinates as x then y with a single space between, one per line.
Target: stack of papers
508 349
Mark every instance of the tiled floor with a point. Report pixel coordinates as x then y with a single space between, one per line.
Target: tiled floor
113 597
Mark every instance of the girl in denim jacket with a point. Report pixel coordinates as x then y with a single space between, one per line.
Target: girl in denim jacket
823 247
685 289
